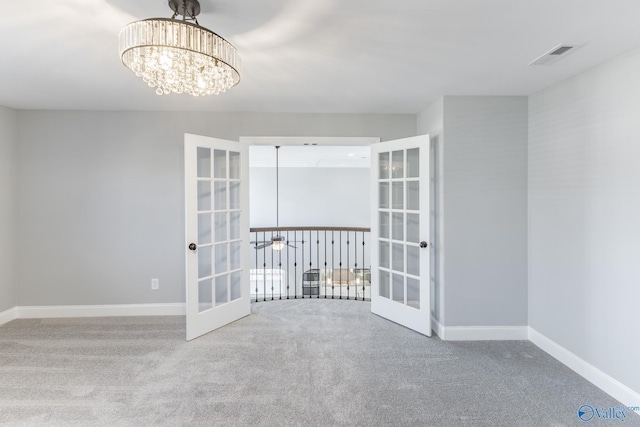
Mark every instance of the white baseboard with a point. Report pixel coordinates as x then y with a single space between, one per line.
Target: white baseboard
437 327
109 310
8 315
482 333
600 379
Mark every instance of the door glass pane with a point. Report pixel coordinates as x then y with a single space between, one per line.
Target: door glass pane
204 195
221 226
384 224
413 163
204 261
222 293
221 258
234 225
235 249
397 257
220 195
219 164
236 285
397 196
234 165
383 167
234 195
413 260
205 295
204 162
398 288
413 228
397 164
384 254
384 195
413 292
204 228
384 284
398 226
413 195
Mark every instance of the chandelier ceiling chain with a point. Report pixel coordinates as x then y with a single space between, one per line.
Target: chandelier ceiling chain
177 56
185 8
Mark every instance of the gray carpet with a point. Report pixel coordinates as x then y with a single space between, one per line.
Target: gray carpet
303 362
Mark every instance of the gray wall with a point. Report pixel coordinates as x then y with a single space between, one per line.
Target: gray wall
8 209
101 195
584 216
485 201
430 121
311 196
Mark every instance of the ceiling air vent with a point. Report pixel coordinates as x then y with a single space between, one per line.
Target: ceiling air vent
558 52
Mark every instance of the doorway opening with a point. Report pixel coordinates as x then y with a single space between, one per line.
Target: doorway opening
318 192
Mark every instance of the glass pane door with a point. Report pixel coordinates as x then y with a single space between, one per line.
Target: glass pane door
217 233
400 218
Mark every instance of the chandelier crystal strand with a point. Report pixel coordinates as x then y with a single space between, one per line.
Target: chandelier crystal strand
175 56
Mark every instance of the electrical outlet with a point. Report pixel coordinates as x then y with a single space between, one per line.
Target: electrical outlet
155 284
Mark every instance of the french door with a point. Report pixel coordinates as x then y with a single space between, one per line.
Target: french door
217 232
400 213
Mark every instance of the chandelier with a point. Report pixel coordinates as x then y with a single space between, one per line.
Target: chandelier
174 55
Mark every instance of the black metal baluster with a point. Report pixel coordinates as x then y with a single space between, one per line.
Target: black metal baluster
355 262
318 261
355 259
295 267
348 271
264 268
280 275
333 258
325 263
287 263
340 263
310 261
302 262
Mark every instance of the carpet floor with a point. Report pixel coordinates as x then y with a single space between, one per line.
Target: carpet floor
301 362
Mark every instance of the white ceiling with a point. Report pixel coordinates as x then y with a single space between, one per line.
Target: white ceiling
335 56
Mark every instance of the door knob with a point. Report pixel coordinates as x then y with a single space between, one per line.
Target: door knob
193 246
423 244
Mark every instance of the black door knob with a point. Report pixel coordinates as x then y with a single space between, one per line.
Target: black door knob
193 246
423 244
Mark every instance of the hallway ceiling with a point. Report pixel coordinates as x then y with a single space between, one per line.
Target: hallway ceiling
326 56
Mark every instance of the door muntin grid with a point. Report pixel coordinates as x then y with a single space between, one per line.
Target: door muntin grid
399 225
219 237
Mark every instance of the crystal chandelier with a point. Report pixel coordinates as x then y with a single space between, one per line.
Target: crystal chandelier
174 55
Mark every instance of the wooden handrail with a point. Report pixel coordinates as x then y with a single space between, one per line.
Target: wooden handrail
313 228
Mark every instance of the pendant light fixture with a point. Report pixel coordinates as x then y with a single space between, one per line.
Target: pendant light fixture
178 55
277 241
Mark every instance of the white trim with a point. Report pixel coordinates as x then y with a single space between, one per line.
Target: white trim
437 327
315 140
483 333
600 379
8 315
110 310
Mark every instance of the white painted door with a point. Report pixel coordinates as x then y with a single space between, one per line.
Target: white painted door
217 231
400 213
